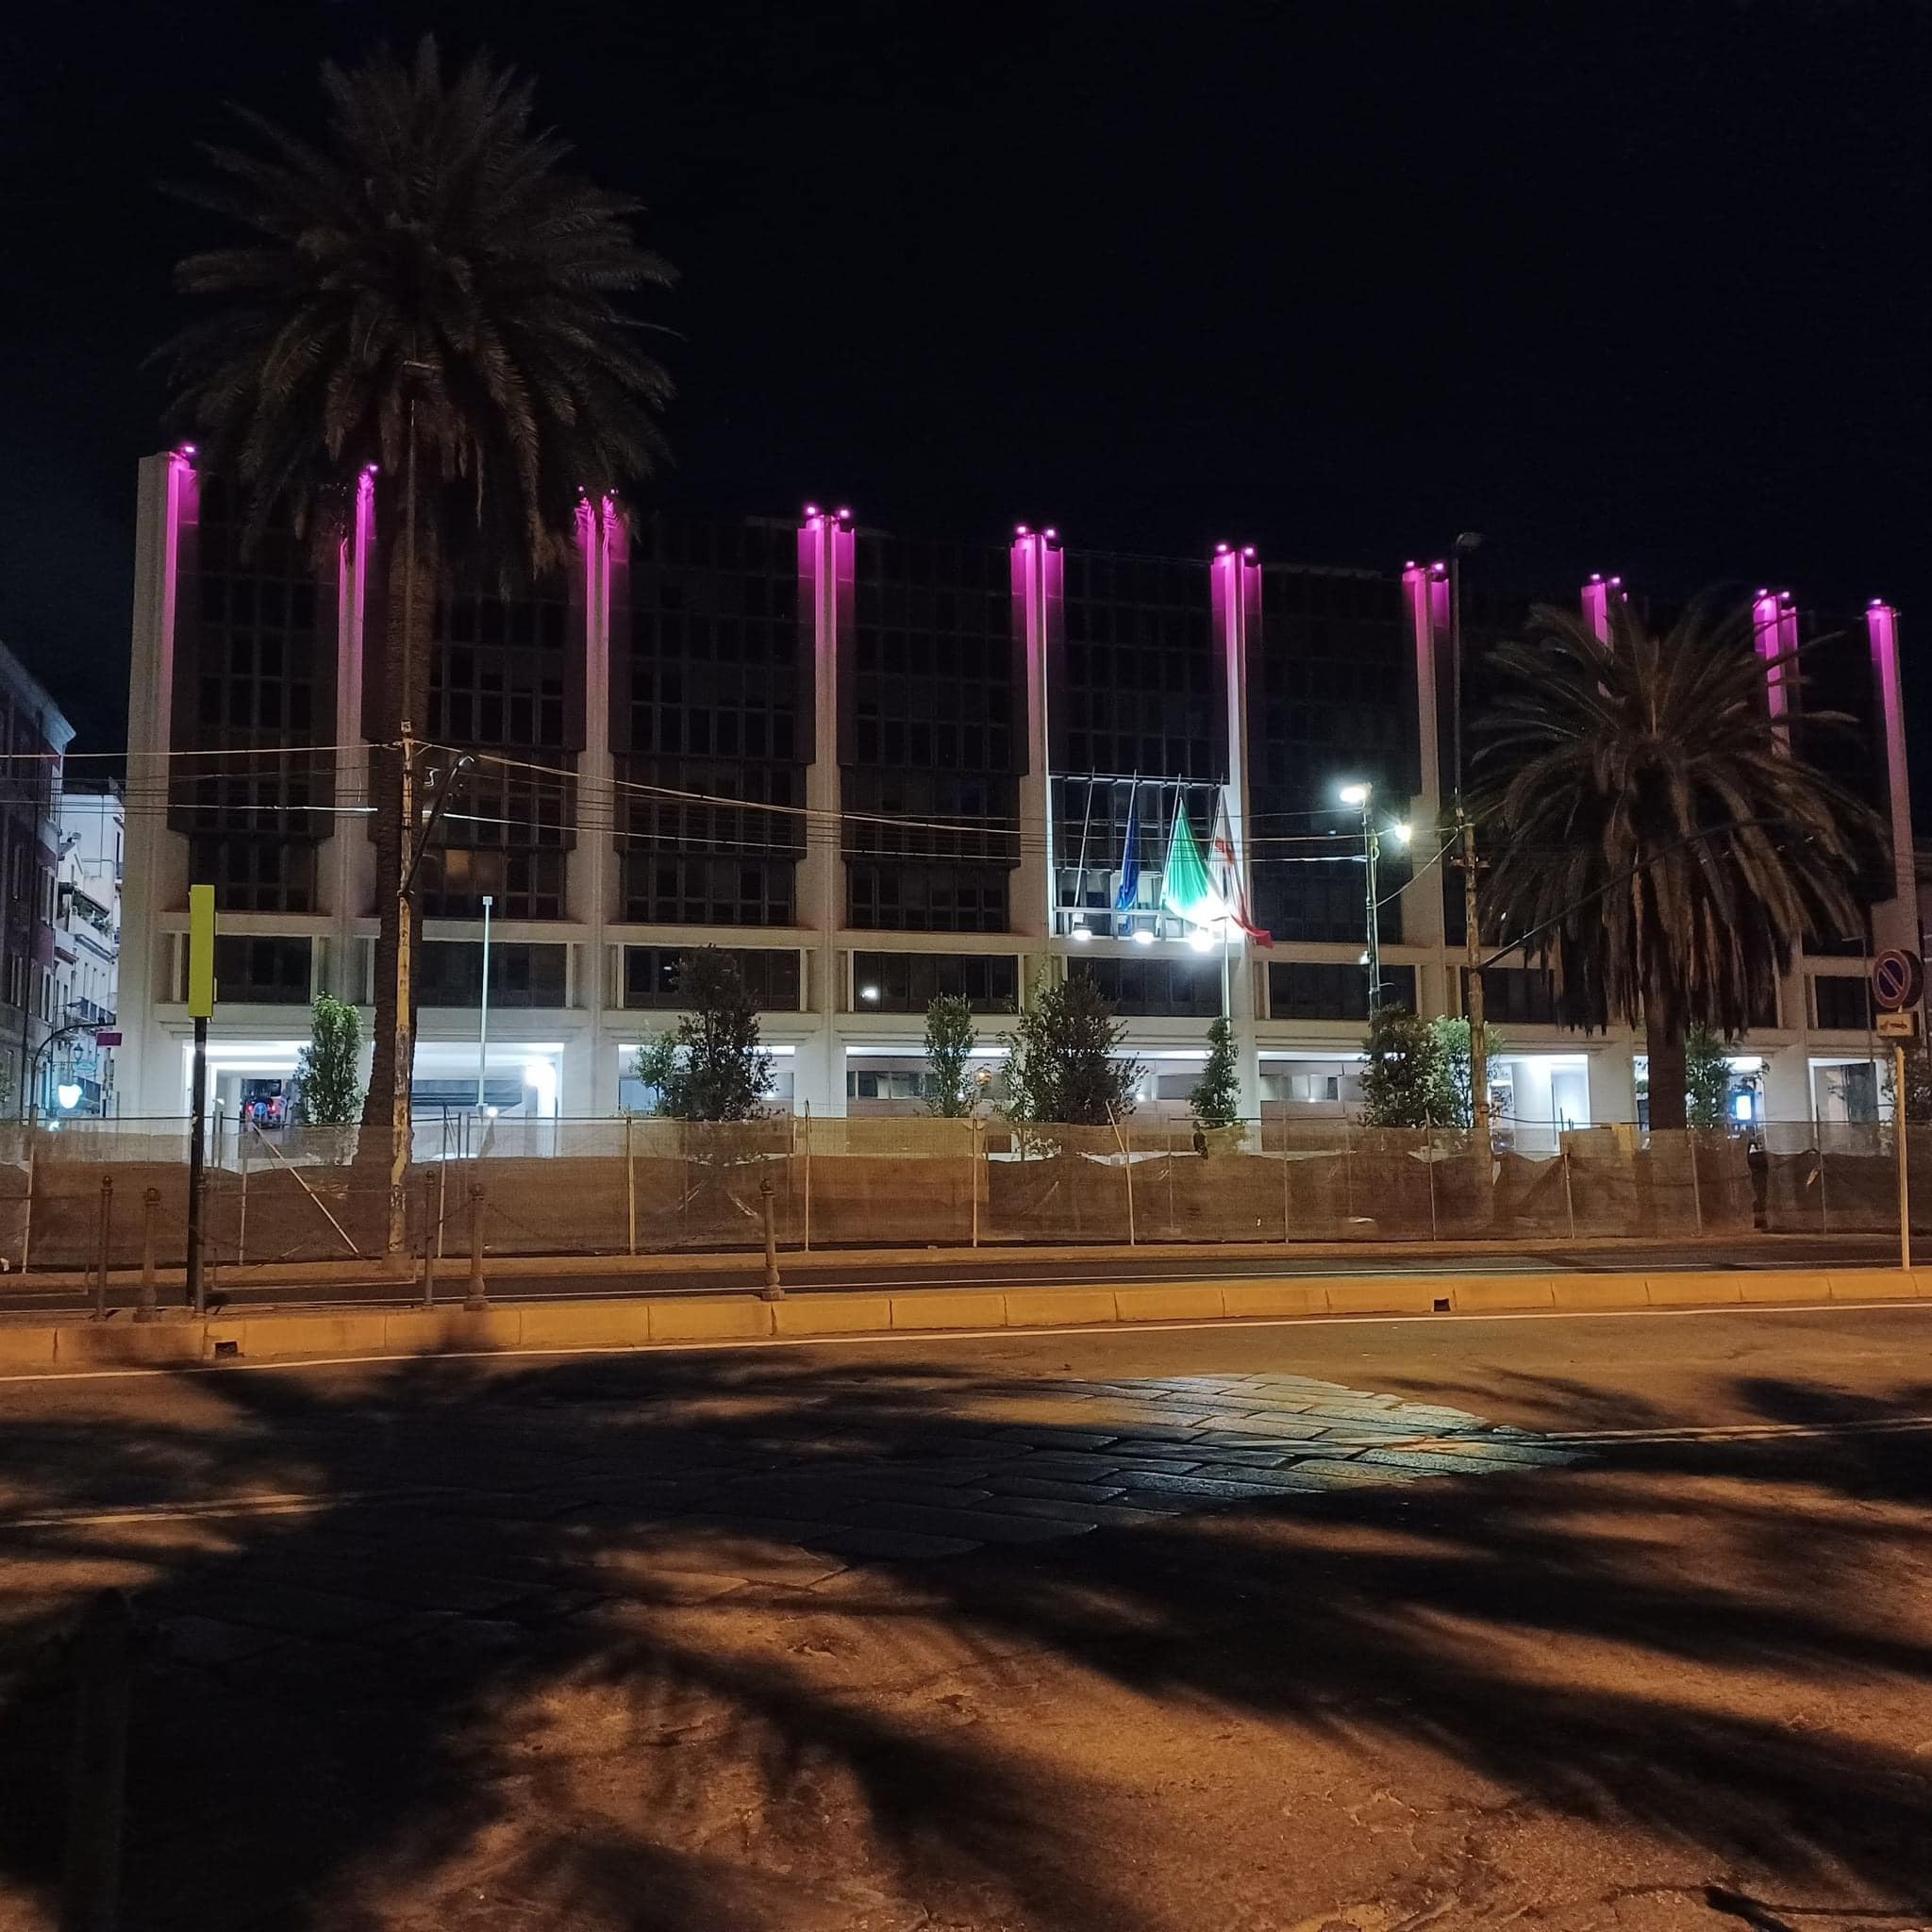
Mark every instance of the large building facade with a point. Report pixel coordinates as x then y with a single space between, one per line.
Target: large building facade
876 768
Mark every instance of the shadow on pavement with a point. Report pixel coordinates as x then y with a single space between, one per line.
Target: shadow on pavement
483 1645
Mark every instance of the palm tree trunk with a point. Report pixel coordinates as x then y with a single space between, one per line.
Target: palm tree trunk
1663 1042
404 685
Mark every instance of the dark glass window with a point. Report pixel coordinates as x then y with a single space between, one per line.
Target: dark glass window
1157 986
1840 1003
450 973
253 875
1318 989
270 971
910 982
770 974
908 896
711 705
1137 689
506 833
1331 700
257 671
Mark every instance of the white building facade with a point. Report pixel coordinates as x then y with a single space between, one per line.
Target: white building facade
86 948
875 768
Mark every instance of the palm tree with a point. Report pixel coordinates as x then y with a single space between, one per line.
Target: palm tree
1659 846
429 292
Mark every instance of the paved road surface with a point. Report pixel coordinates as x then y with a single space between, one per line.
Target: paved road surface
1565 1622
834 1272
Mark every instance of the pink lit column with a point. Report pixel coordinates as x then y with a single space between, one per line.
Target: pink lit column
1895 922
1774 626
1599 594
824 609
154 869
1038 625
1425 597
1237 591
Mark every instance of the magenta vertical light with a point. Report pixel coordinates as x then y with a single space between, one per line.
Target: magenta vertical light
1896 923
1774 631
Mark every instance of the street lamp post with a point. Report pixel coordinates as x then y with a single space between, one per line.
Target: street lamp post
1465 828
483 1008
1364 797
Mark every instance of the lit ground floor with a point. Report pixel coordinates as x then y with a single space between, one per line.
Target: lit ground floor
564 1063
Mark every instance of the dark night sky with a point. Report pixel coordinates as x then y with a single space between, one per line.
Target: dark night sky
1628 288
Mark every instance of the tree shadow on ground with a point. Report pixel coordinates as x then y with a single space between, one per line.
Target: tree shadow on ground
487 1606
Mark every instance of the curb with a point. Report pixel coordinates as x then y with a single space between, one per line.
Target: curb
72 1343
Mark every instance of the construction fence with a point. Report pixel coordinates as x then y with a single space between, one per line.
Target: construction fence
82 1194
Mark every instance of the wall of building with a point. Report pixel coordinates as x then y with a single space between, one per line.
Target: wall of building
876 768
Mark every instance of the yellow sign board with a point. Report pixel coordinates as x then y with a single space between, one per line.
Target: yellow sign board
201 952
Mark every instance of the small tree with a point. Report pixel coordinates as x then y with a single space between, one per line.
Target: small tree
1064 1065
1453 1104
1217 1095
709 1066
1404 1077
950 1038
328 1086
1707 1079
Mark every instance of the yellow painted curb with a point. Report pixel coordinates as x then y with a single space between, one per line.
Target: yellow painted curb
585 1325
1240 1298
1188 1300
1599 1292
833 1314
1060 1308
264 1338
942 1309
27 1348
710 1318
110 1343
1766 1286
1388 1297
1473 1294
1691 1290
1879 1284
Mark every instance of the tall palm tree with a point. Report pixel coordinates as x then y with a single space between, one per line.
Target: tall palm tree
1660 847
430 292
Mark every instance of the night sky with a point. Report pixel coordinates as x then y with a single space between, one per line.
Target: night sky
1627 287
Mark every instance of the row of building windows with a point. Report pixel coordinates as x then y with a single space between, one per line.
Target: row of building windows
770 976
910 982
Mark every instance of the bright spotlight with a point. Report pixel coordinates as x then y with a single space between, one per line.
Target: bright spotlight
1354 794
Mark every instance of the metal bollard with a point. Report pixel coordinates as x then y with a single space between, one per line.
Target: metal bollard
100 1251
97 1766
145 1308
771 1292
475 1298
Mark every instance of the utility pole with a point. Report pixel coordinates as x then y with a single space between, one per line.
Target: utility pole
403 1068
1465 828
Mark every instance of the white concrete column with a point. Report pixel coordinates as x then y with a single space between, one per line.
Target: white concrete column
1236 579
1774 629
1040 627
167 492
1788 1082
1598 596
1613 1076
1894 921
1425 597
826 565
589 1085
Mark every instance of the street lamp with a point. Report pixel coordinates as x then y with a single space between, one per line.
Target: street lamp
1363 797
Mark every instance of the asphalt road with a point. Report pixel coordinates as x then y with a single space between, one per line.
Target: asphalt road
834 1272
1578 1622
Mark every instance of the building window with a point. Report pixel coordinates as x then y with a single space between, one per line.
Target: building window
1313 989
450 973
1138 685
1180 989
724 853
261 971
1841 1004
910 982
889 1084
913 898
498 668
255 874
770 974
1522 995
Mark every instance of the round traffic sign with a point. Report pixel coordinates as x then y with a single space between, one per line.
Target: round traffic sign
1898 979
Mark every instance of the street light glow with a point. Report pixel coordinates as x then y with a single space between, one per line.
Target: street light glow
1354 794
1401 833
